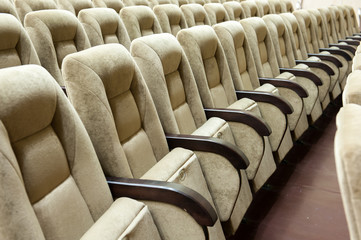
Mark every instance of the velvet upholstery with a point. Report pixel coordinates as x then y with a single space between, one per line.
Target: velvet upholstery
25 6
7 6
234 10
195 15
74 6
216 13
114 4
250 9
170 18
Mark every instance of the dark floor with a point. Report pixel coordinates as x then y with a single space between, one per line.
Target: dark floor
302 200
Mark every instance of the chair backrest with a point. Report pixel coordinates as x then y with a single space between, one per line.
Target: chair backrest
286 6
281 40
16 47
182 2
216 13
162 2
195 15
263 7
25 6
169 77
308 30
7 6
234 10
55 34
276 6
170 18
200 2
115 4
209 66
148 3
353 24
250 9
338 18
239 56
329 24
262 47
139 21
48 165
346 20
103 25
121 119
212 1
320 28
347 153
74 6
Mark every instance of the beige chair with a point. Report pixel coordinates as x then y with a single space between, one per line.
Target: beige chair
276 6
169 77
25 6
139 21
103 26
250 9
74 6
7 6
55 34
147 3
352 24
263 7
216 13
52 185
318 92
352 91
117 5
170 18
118 112
347 156
267 66
162 2
182 2
211 73
286 6
200 2
234 10
195 15
16 46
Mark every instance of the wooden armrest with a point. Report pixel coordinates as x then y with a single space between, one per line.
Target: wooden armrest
344 47
285 83
338 52
327 57
315 64
356 34
303 73
233 115
351 40
267 97
172 193
210 144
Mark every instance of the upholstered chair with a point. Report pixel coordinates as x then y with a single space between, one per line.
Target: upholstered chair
352 24
55 34
286 6
170 18
347 156
267 66
139 21
115 4
103 26
113 102
162 2
147 3
318 94
182 2
234 10
169 77
352 92
52 185
263 7
74 6
7 6
195 15
16 46
250 9
216 13
25 6
213 1
276 6
200 2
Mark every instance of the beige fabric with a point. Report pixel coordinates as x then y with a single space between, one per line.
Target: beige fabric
103 25
115 4
55 34
74 6
139 21
352 91
52 170
263 7
25 6
162 2
347 155
216 13
125 129
170 17
171 83
150 3
286 6
7 6
234 10
276 6
250 9
195 15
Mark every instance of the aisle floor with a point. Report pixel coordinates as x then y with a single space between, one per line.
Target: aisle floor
302 199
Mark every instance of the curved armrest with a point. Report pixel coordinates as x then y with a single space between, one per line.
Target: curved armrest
355 41
279 82
344 47
338 52
176 194
357 34
315 64
210 144
327 57
303 73
233 115
267 97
